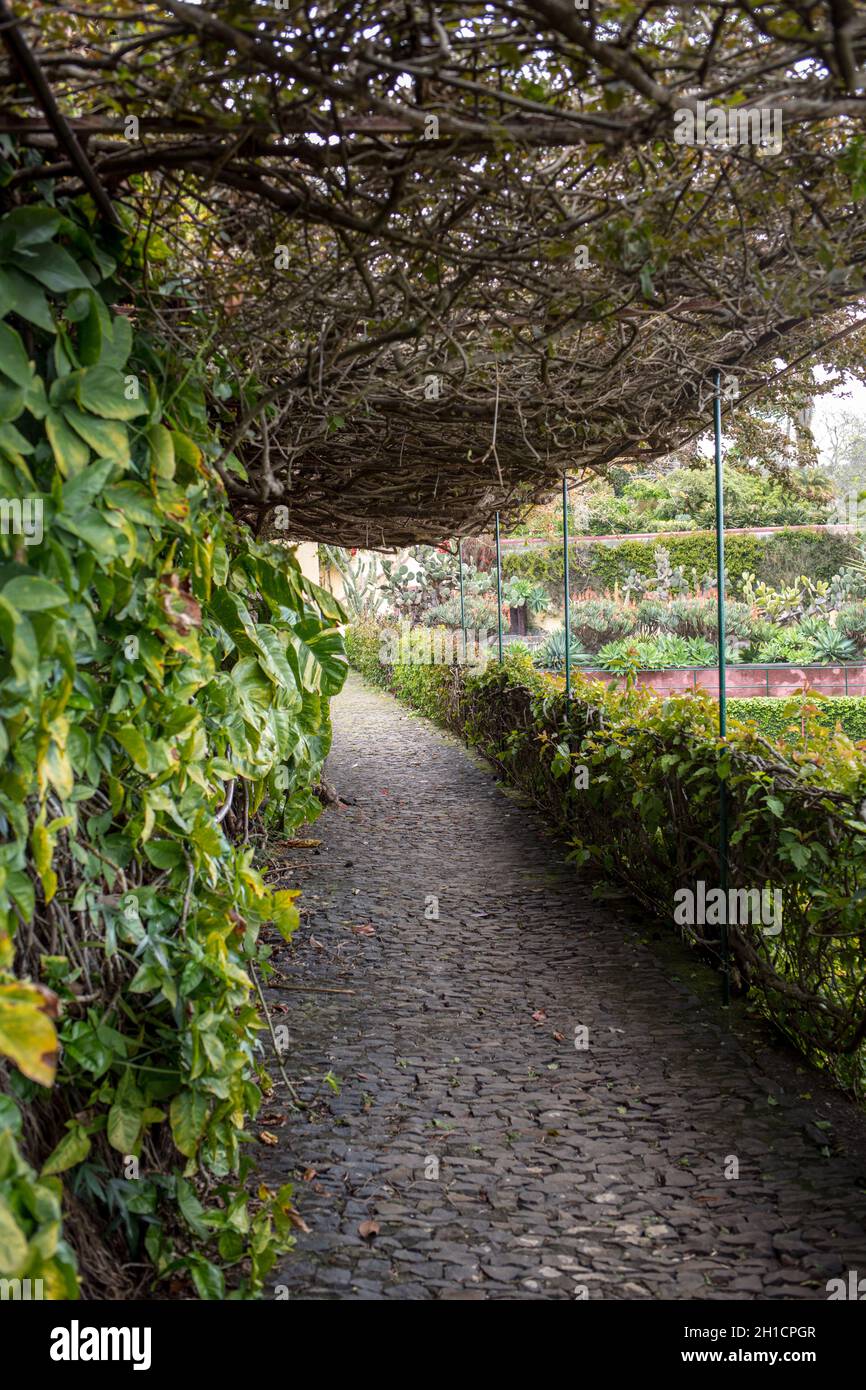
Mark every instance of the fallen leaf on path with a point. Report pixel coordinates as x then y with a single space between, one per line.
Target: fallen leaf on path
309 1174
297 1220
368 1229
267 1138
559 1037
317 945
539 1016
364 930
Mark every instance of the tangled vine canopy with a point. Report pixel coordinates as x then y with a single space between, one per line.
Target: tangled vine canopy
435 254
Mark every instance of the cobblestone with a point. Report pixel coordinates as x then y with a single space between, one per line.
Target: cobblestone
498 1161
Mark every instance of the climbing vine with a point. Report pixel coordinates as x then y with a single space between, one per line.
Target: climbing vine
156 664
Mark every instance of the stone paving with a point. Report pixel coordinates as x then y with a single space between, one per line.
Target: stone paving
473 1150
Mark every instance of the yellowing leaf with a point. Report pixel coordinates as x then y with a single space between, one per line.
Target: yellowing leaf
188 1115
27 1034
13 1243
73 1148
284 914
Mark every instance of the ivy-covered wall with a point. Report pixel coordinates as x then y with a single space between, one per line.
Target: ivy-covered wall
153 659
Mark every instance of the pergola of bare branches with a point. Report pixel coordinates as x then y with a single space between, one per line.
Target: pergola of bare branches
437 254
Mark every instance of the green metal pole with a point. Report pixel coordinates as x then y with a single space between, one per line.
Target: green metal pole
565 585
462 603
723 694
499 585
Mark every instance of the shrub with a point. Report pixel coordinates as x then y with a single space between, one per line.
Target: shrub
784 719
658 653
785 645
649 818
596 620
851 622
776 560
478 609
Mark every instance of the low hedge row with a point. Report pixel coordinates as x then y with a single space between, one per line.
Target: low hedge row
632 781
776 559
777 718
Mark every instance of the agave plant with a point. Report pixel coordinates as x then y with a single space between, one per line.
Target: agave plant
551 654
829 644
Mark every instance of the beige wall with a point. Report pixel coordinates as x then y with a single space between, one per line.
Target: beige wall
307 555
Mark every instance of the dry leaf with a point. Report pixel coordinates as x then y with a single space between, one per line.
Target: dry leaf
368 1229
539 1016
267 1138
364 930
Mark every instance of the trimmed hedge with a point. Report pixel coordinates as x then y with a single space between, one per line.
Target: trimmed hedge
776 718
648 816
776 559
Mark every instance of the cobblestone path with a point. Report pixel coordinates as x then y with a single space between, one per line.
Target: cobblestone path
493 1158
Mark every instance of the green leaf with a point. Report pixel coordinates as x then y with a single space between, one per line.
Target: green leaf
107 438
13 358
71 454
81 490
103 391
124 1117
161 450
164 854
133 743
188 1116
54 268
16 633
21 294
13 1243
73 1148
31 225
32 594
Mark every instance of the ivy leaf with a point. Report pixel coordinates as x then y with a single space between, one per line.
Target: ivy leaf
124 1117
13 1243
102 390
14 361
31 225
71 454
73 1148
32 594
20 293
27 1034
107 438
54 268
187 1116
284 914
